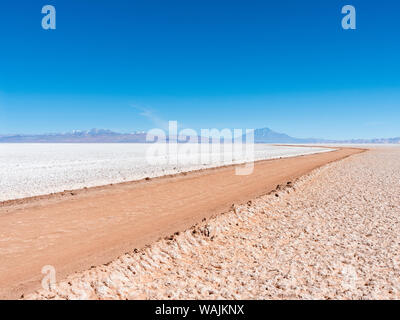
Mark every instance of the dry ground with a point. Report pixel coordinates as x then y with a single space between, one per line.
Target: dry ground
75 230
333 234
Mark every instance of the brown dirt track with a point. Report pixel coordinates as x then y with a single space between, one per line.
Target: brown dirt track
76 230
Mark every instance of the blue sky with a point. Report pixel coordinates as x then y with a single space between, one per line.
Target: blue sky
133 65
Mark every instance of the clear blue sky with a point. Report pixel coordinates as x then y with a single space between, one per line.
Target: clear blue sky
133 65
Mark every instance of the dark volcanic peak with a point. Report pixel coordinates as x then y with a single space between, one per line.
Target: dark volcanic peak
266 135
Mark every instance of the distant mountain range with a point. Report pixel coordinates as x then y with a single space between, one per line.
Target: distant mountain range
264 135
77 136
267 135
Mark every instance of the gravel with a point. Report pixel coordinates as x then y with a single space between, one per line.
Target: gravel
333 234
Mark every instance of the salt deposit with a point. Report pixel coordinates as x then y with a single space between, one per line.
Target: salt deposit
35 169
334 234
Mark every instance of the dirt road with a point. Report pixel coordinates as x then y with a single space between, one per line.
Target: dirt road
76 230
